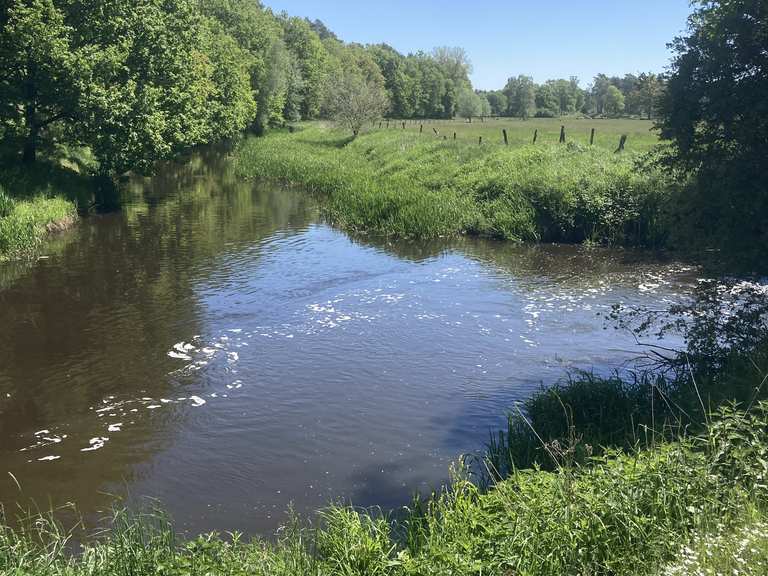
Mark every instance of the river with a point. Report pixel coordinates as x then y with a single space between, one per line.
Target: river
218 347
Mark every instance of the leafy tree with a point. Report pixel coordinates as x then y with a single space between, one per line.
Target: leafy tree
455 63
469 104
521 94
498 102
547 103
230 106
354 100
715 112
649 88
312 59
43 71
153 82
614 101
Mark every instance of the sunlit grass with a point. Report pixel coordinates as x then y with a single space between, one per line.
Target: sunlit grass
24 224
397 182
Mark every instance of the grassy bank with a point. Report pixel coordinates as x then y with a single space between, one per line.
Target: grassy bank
36 202
403 183
24 224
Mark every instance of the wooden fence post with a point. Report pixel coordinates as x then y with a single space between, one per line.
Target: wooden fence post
403 125
622 143
592 137
535 135
506 139
454 135
481 141
562 134
421 128
380 123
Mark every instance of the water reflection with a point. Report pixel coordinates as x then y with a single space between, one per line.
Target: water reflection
216 346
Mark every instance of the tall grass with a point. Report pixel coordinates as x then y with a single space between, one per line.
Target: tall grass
24 224
400 183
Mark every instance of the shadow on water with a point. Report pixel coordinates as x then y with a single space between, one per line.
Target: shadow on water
88 392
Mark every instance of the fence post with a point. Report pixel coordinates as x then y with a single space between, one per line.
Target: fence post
562 134
421 128
436 131
481 141
380 123
622 143
535 135
403 125
506 140
592 137
454 135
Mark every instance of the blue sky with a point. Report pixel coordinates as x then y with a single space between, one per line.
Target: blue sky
549 39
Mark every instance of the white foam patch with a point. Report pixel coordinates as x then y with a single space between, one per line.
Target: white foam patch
48 458
95 444
197 401
115 427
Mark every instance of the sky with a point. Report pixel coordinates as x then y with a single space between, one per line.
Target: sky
543 39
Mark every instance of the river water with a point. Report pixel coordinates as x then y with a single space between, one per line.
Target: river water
216 346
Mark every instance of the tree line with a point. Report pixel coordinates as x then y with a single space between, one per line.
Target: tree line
631 95
141 80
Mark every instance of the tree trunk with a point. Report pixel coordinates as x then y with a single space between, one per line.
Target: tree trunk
29 155
33 130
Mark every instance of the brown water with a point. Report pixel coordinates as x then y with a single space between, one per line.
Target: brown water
218 347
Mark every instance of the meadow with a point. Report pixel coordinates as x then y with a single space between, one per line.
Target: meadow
419 181
640 134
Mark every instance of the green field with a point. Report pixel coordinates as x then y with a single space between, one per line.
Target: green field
401 182
641 136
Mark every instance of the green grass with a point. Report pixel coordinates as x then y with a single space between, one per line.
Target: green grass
640 134
37 201
24 224
397 182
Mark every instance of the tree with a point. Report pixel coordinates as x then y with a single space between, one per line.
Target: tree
614 101
42 71
547 103
354 100
715 113
649 90
455 63
525 97
146 104
498 102
312 59
469 104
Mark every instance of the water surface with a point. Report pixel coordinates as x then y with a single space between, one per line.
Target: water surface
216 346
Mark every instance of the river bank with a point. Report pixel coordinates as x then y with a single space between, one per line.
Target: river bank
405 183
25 224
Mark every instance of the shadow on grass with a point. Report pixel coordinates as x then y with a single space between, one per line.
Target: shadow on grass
48 179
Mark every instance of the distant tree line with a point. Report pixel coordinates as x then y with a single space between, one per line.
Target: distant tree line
631 95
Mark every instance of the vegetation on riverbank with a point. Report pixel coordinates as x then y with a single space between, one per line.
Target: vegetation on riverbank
24 224
404 183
